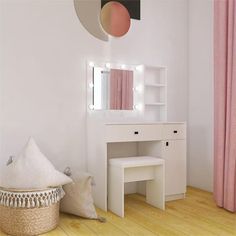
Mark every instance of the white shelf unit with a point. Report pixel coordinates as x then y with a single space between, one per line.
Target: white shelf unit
155 94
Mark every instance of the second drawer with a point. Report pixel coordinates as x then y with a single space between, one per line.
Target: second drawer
174 131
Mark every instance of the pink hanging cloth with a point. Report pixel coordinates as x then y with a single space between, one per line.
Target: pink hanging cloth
121 89
225 104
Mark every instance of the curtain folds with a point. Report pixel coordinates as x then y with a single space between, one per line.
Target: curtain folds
121 89
225 104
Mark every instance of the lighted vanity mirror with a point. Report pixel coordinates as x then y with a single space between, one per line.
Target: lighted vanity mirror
112 89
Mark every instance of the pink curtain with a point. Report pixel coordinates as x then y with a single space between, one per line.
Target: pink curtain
225 104
121 89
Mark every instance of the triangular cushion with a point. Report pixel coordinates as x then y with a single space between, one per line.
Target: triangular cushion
31 170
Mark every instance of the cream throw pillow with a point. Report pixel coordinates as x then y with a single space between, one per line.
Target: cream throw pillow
31 170
78 198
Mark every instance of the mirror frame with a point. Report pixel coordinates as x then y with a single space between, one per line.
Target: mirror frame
138 84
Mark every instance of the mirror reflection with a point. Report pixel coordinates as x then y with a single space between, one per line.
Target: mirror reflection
112 89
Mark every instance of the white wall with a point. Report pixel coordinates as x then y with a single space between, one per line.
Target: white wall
200 94
43 70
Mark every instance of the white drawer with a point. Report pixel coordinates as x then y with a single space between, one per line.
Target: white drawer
174 131
126 133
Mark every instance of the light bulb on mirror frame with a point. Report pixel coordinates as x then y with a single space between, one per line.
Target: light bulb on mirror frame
91 64
108 65
91 85
139 68
138 107
91 107
138 88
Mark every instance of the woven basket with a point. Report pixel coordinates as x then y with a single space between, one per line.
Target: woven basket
28 213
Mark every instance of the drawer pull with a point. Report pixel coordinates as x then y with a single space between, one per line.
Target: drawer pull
167 143
175 131
135 132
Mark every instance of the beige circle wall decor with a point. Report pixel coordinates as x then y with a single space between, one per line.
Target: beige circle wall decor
102 18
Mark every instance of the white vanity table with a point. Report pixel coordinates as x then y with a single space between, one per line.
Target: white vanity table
147 92
160 139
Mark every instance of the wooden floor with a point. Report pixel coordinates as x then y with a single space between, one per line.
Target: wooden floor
195 215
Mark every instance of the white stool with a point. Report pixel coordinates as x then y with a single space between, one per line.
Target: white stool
132 169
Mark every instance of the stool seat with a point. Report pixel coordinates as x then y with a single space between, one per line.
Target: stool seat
126 162
132 169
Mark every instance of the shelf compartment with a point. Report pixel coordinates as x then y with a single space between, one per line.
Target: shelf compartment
155 75
155 104
154 85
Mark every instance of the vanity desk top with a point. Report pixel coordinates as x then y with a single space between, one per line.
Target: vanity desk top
142 123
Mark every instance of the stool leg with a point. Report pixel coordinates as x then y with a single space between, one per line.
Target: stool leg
155 189
116 190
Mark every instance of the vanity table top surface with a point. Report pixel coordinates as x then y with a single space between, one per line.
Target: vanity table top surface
143 123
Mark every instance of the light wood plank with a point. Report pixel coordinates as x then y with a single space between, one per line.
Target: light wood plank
163 223
56 232
106 229
197 215
74 226
127 225
199 209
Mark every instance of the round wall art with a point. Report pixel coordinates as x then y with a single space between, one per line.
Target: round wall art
104 18
115 19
